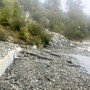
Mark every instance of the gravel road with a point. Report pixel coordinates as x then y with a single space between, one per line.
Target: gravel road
45 69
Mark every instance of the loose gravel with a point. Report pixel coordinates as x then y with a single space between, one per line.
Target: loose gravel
31 71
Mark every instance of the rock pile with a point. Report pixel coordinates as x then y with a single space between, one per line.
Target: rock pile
8 52
85 45
58 40
5 47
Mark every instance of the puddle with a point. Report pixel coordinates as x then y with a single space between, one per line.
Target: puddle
84 61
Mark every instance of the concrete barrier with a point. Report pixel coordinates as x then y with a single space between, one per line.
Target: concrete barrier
6 61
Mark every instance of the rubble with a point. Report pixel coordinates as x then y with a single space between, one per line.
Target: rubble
47 68
58 40
33 70
8 52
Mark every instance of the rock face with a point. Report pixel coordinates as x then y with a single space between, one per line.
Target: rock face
8 52
44 70
58 40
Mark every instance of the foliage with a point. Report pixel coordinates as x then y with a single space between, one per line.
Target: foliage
17 23
73 23
23 34
34 29
39 37
45 38
2 35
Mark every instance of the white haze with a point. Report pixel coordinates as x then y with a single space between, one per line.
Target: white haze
86 4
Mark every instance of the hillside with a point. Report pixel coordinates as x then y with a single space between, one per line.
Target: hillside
25 21
43 47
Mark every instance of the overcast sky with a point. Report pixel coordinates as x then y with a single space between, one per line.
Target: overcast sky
87 5
85 2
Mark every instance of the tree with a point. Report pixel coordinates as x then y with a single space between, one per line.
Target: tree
76 27
6 12
17 16
1 3
53 13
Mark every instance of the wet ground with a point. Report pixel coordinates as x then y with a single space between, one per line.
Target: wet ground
84 61
47 69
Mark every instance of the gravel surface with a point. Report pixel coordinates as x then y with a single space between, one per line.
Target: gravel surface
45 70
5 47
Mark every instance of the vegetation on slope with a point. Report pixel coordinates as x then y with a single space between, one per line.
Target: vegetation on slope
73 23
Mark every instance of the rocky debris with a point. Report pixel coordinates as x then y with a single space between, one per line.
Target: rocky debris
58 40
88 49
39 56
34 46
5 47
85 45
30 71
46 69
71 50
8 52
60 44
10 39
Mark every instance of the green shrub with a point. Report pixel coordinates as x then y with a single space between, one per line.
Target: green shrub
17 23
34 29
23 34
35 40
45 38
2 35
39 37
44 22
4 22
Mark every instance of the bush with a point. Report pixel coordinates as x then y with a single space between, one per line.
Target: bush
2 35
39 37
40 40
4 22
34 29
23 34
44 22
35 40
45 38
17 23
